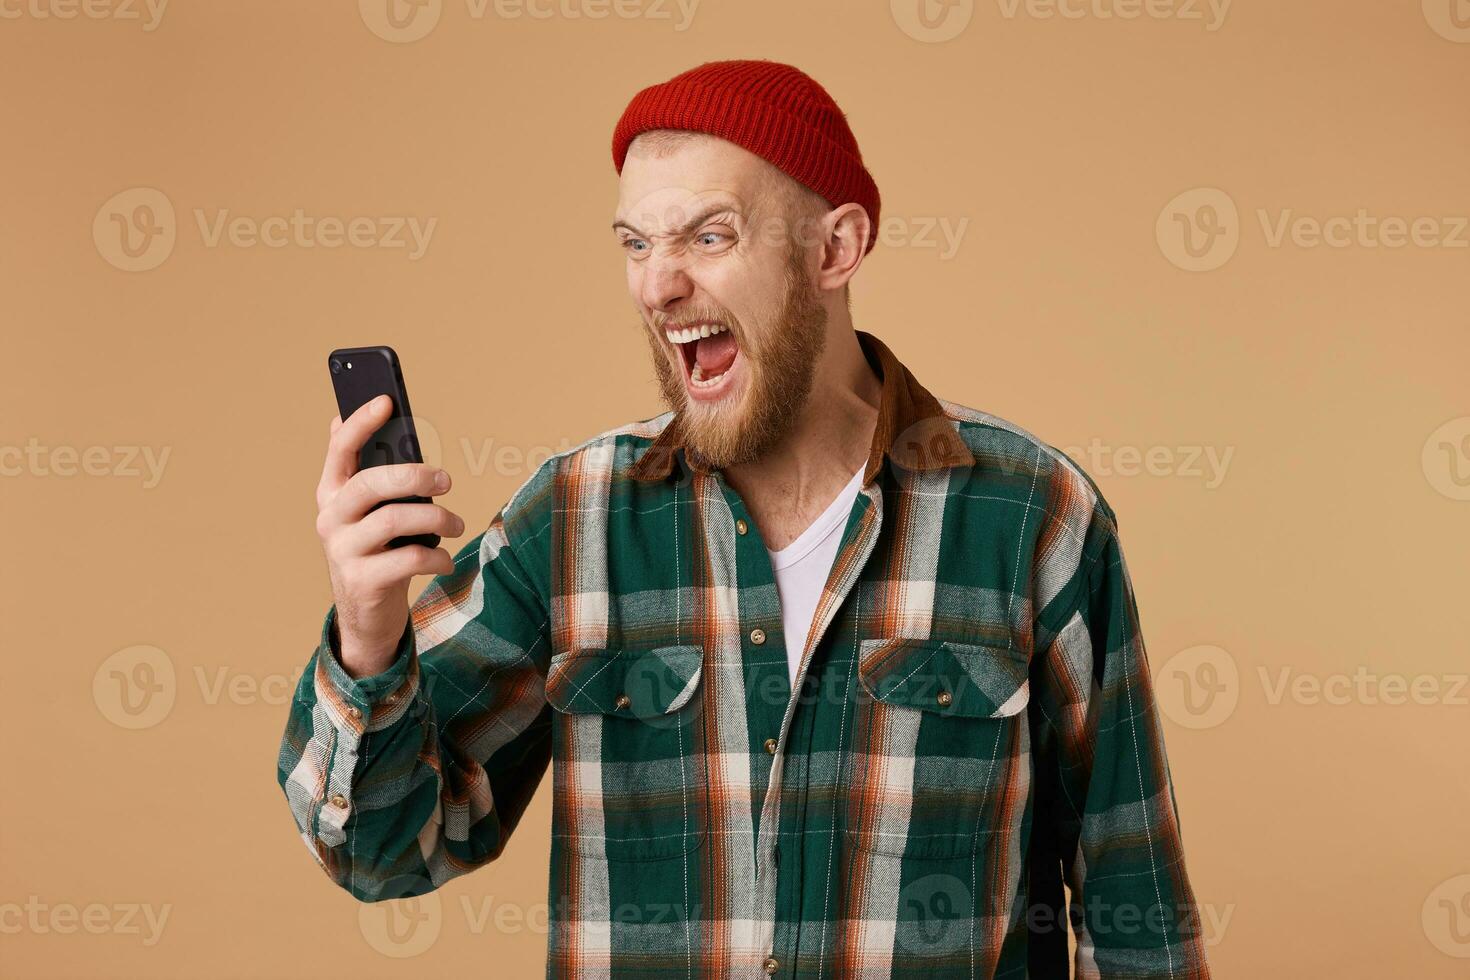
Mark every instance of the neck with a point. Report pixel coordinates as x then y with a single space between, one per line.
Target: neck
829 442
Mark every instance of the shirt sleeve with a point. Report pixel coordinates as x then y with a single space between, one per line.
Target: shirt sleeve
403 780
1112 818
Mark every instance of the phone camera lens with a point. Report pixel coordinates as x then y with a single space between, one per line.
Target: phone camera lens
336 366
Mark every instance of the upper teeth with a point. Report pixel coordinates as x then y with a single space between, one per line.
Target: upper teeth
693 333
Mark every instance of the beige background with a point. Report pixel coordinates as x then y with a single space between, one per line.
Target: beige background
1324 549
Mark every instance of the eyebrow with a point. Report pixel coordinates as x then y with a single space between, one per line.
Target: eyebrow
692 223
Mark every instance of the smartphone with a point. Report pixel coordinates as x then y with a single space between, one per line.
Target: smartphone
360 374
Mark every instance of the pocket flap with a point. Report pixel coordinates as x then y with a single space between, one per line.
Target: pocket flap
965 679
638 683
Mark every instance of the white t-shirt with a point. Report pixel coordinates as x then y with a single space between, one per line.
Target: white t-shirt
802 566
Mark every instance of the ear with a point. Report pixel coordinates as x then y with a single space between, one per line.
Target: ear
846 233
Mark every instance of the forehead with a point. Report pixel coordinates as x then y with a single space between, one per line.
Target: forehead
659 189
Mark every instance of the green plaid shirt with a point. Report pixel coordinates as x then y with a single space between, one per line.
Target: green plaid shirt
972 728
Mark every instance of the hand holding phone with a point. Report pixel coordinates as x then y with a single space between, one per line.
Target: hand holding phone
376 519
360 374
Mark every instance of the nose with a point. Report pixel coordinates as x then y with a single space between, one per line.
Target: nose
664 283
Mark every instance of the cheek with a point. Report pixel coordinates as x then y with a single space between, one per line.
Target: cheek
724 292
756 303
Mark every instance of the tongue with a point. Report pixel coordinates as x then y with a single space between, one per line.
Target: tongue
715 353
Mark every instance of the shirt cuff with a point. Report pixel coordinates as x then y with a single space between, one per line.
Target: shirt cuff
365 704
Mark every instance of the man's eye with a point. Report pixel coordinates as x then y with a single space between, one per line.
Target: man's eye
712 238
635 245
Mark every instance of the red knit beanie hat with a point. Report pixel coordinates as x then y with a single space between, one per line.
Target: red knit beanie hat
775 111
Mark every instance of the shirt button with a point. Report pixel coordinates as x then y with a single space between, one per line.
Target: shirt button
741 527
757 636
772 965
944 699
339 801
355 713
771 746
622 702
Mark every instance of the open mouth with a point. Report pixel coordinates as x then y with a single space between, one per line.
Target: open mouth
708 352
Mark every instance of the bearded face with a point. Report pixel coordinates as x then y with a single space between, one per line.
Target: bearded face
739 385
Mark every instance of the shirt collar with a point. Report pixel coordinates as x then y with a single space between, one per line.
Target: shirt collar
913 430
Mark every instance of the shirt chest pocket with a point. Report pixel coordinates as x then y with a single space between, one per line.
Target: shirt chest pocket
628 751
938 758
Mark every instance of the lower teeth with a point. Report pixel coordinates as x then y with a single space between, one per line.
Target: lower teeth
697 376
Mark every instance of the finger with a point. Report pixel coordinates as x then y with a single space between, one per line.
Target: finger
401 564
348 438
376 484
371 534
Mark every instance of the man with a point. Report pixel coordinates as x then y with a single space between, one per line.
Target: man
834 678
